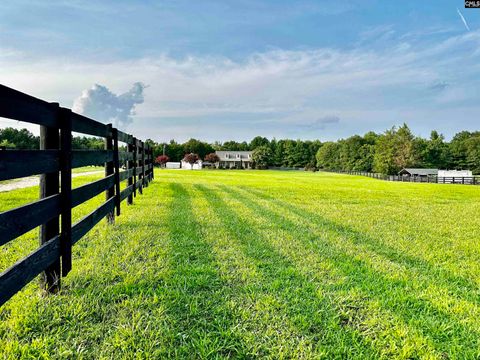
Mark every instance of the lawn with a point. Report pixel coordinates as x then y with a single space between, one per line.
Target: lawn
250 264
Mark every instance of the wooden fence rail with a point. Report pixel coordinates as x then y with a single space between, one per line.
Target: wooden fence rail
464 180
54 160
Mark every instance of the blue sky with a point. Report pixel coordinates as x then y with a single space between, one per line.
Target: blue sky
220 70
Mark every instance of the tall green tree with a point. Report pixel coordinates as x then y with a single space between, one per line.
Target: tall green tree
434 153
328 156
258 141
394 150
473 154
459 149
198 147
261 157
278 153
175 151
21 138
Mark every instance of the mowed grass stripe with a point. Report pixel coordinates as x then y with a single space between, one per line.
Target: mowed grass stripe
400 298
257 322
297 298
266 331
197 297
435 223
352 305
450 290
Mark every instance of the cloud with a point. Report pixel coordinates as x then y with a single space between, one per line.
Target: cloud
368 88
463 20
322 123
377 33
101 104
439 86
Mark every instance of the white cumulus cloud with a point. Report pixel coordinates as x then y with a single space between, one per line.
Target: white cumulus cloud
101 104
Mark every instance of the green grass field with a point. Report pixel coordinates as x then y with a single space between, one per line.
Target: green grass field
262 264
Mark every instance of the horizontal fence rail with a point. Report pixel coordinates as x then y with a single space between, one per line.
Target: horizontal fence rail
432 179
53 211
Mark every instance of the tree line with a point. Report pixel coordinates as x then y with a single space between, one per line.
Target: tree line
397 148
385 153
22 139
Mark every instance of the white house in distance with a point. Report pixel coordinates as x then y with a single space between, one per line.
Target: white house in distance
235 159
435 172
196 166
172 165
454 173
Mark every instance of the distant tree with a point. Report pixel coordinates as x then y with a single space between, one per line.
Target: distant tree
22 139
191 159
87 143
162 160
299 156
312 148
232 146
328 156
405 155
365 158
197 147
174 150
289 152
433 153
395 150
7 145
150 143
278 152
351 153
459 149
212 157
473 154
261 157
258 141
367 152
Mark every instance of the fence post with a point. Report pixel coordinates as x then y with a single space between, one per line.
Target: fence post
116 165
131 165
147 171
110 192
49 182
65 121
145 163
135 161
142 157
150 164
153 164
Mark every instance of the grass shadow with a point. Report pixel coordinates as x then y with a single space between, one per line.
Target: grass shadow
316 323
394 295
463 288
196 296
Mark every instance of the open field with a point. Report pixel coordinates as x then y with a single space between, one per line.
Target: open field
245 264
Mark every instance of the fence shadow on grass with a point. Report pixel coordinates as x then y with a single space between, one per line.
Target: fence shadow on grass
464 288
314 318
196 295
372 283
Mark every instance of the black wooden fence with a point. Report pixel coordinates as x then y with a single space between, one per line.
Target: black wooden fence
54 160
464 180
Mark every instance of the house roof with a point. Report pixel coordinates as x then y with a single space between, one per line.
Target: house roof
421 172
232 155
